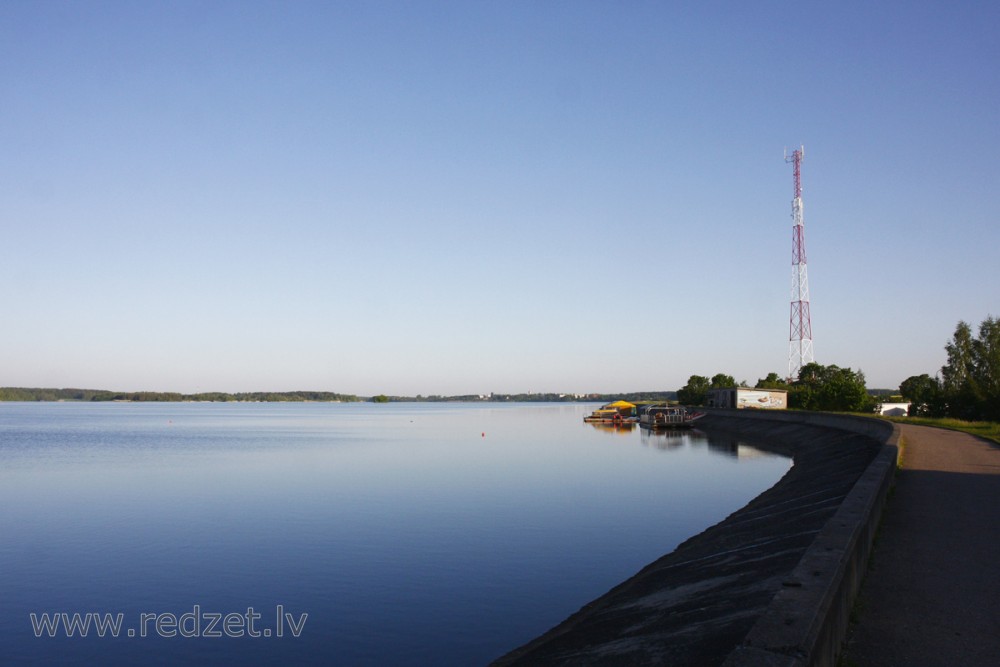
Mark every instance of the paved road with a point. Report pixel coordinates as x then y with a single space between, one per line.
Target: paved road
932 595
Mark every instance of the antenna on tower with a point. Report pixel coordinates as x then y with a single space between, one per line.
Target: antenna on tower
800 340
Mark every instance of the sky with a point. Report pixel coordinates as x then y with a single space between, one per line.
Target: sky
472 197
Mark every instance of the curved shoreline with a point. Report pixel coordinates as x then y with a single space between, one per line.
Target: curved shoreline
772 583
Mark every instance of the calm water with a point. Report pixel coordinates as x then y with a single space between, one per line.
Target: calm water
410 534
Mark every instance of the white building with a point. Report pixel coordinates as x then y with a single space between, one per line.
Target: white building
747 398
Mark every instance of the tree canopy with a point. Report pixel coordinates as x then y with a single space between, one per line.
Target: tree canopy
695 391
968 386
830 388
722 381
772 381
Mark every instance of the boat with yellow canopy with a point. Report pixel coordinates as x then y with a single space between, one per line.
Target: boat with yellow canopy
618 412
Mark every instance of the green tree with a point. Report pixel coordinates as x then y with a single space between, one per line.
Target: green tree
694 392
986 369
802 393
772 381
844 390
830 388
924 394
723 381
957 375
381 398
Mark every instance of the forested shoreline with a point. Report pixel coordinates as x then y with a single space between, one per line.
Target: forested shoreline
34 394
97 395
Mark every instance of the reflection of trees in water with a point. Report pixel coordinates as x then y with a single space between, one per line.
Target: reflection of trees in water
674 439
730 445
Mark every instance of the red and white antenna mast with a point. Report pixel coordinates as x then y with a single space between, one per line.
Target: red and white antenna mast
800 338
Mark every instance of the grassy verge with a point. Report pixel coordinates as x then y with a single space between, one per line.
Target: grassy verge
988 430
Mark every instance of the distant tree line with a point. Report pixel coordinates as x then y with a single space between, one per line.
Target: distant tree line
818 387
968 385
658 396
632 397
36 394
43 394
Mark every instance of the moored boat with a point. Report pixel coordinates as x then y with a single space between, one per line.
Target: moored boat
668 416
619 412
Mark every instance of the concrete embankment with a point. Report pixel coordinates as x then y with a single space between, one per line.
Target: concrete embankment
772 584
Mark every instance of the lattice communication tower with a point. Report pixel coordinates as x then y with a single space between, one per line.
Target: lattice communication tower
800 339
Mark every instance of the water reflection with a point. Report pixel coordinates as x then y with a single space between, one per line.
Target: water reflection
726 444
665 439
621 429
723 445
412 534
716 443
673 438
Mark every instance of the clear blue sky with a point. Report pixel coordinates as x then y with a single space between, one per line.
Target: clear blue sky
465 197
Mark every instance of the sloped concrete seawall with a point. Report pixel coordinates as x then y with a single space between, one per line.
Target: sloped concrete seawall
771 585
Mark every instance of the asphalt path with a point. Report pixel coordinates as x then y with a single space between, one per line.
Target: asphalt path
932 593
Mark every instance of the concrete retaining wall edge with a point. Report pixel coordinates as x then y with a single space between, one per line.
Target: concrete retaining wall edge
806 623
